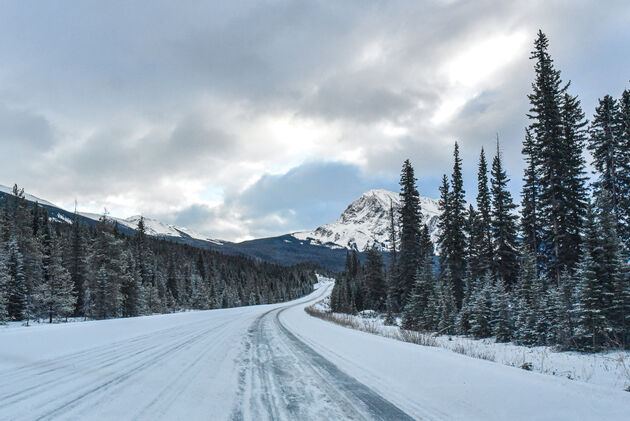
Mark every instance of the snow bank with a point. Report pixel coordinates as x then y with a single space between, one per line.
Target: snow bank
609 369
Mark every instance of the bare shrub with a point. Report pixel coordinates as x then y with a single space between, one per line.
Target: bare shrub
372 326
482 354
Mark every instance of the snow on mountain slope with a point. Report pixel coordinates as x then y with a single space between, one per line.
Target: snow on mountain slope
154 227
366 222
29 197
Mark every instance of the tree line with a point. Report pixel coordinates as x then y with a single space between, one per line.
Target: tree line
51 270
554 271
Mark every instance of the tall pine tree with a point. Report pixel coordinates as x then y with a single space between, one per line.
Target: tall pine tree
410 219
504 233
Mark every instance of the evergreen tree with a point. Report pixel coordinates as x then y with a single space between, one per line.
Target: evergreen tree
410 217
501 322
17 294
452 220
612 269
563 300
4 284
457 213
444 223
485 216
392 275
531 228
393 237
528 296
481 314
504 233
445 306
419 313
591 322
624 175
606 147
574 197
55 294
130 289
77 263
476 253
374 280
465 314
556 131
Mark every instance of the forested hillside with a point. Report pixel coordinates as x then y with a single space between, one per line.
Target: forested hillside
51 271
554 272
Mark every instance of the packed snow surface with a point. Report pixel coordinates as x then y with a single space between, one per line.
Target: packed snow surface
610 369
270 362
366 222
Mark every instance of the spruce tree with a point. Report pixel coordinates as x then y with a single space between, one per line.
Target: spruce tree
562 308
393 237
444 223
17 294
452 220
4 284
481 314
392 274
132 298
501 313
624 129
591 322
528 296
555 151
606 148
485 216
574 196
374 280
420 309
531 229
77 263
410 219
504 233
600 307
55 294
465 314
457 204
445 306
612 269
476 253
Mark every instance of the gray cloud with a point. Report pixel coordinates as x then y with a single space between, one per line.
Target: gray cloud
300 199
143 108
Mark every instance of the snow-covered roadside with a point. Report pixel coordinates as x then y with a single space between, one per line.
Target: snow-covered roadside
609 369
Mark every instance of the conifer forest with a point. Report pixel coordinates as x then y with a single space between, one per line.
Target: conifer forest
550 270
52 271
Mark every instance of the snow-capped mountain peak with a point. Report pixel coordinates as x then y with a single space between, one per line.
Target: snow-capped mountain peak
366 222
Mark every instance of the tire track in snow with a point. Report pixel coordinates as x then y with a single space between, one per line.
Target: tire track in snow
282 378
67 367
128 372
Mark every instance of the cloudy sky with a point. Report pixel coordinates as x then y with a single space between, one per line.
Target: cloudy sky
256 118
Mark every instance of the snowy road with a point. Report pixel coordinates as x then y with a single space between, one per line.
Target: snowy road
266 362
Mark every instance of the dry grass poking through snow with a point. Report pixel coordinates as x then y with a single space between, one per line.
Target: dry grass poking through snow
373 326
610 369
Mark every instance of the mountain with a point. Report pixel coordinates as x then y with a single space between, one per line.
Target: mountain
366 223
29 197
155 228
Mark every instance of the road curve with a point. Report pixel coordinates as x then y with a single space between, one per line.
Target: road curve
282 378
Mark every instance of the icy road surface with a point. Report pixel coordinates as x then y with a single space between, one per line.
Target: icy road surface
270 362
